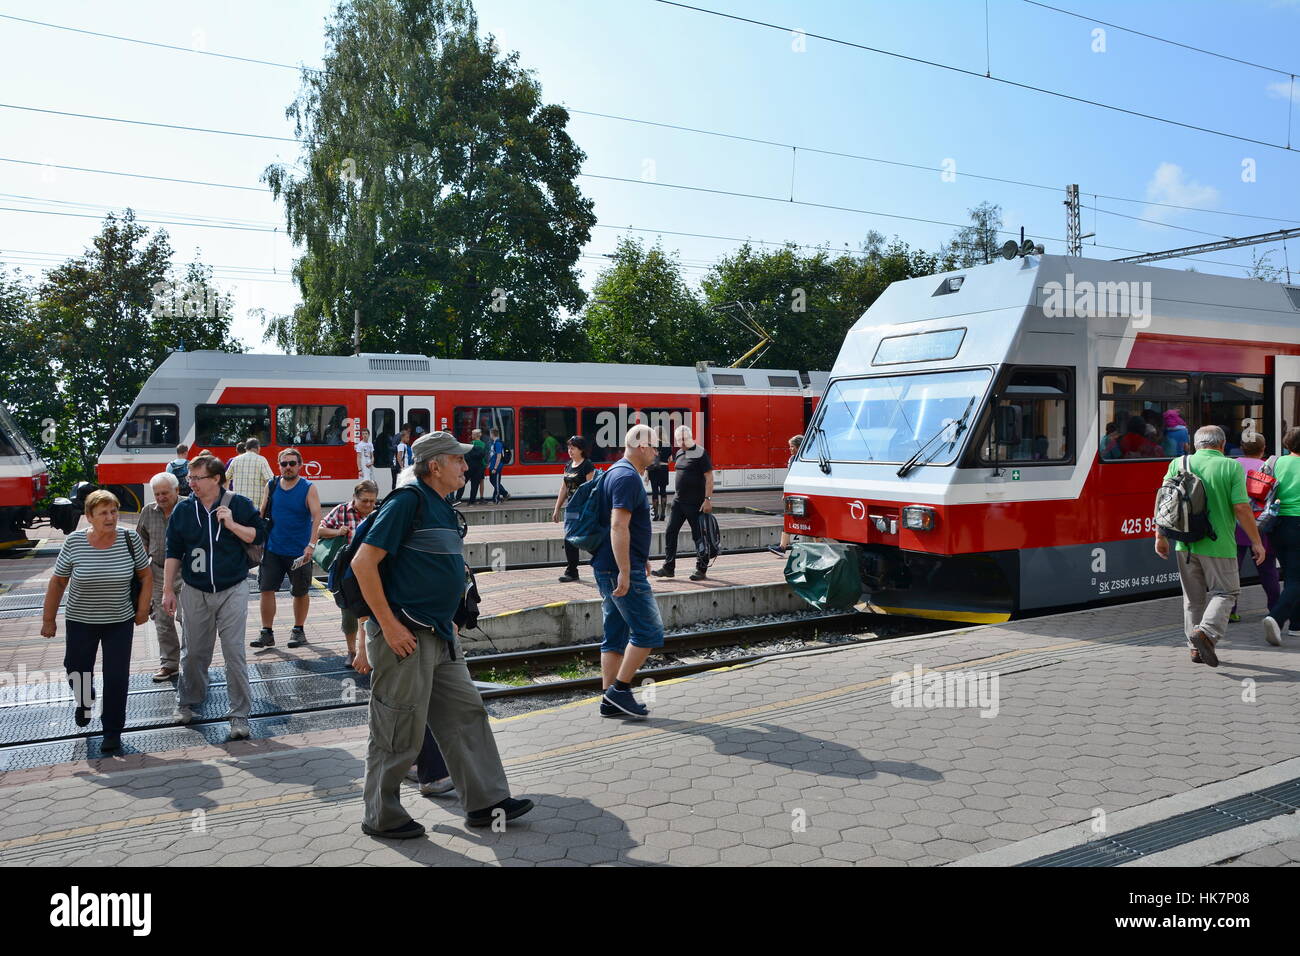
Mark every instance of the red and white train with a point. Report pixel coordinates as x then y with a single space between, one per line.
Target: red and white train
319 404
962 440
24 482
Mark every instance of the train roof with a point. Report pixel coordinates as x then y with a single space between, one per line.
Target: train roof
420 371
998 302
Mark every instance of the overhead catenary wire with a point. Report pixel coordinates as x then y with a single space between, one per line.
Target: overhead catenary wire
626 119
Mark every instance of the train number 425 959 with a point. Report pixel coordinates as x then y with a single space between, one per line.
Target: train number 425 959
1138 526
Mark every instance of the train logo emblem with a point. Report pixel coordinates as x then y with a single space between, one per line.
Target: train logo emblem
857 510
311 469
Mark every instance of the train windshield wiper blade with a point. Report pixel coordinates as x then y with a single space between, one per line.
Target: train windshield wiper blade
957 428
823 450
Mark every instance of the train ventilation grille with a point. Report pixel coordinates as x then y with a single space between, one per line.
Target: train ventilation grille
399 365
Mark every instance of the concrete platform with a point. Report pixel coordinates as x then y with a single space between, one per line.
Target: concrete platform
505 546
808 760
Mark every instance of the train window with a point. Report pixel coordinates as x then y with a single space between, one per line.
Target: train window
1031 420
891 418
383 432
229 424
666 421
605 428
310 424
543 432
419 420
1234 403
466 419
1135 415
1290 410
151 426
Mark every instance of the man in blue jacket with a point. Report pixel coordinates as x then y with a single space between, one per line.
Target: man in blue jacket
206 536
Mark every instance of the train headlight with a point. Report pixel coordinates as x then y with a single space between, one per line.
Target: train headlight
796 506
918 518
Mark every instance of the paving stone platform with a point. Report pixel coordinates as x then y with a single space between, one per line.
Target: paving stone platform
803 760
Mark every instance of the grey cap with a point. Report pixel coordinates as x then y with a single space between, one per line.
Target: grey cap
437 443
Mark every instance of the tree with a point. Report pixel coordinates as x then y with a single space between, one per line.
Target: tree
641 311
978 243
28 385
106 320
439 196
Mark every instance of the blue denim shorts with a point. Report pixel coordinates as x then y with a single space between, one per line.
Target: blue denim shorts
633 616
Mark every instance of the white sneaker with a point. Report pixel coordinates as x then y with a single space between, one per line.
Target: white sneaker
239 729
437 787
183 713
1291 632
1273 633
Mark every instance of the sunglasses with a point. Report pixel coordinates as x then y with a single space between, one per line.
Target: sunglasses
289 464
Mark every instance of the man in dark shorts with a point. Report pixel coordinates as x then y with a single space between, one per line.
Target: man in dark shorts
293 507
692 497
420 678
629 612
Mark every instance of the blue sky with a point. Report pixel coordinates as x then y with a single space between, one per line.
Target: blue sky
650 61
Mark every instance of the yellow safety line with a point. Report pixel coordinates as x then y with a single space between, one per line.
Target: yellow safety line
966 617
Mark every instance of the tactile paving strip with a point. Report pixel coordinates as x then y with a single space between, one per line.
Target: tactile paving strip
1130 845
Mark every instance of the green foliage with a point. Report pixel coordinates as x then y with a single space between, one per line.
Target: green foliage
641 311
90 336
439 196
978 243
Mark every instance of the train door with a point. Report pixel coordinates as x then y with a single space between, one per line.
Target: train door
383 414
1286 397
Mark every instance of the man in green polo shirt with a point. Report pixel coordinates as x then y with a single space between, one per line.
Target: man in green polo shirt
411 570
1208 568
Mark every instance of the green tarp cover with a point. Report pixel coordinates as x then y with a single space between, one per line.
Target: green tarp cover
827 576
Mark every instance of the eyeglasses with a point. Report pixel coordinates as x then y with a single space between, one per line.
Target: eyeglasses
193 477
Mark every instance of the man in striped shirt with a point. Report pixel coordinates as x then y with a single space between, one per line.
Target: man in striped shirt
249 474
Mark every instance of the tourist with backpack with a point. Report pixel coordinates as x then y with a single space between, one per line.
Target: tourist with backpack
418 672
1259 483
576 473
180 467
1202 499
621 565
1284 535
208 537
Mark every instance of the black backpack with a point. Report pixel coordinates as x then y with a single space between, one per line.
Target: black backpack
342 582
181 469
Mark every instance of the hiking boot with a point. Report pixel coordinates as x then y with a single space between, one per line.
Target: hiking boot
626 702
297 637
568 577
164 674
665 572
265 638
1272 633
1206 647
513 808
407 831
239 729
699 575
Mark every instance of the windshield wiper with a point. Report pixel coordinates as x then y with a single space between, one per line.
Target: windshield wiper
958 427
823 451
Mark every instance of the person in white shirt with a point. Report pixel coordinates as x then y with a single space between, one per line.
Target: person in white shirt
366 456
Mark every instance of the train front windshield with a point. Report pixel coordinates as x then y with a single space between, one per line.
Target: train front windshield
13 443
890 419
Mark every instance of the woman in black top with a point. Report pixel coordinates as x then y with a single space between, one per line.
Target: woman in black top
576 472
658 475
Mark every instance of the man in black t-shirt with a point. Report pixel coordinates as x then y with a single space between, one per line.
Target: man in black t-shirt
692 497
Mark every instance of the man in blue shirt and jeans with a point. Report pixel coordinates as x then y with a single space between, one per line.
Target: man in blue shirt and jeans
411 570
621 566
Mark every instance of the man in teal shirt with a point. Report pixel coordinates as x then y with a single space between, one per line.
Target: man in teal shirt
1207 568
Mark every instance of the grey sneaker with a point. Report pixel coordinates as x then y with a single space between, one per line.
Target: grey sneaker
239 729
436 788
184 713
297 637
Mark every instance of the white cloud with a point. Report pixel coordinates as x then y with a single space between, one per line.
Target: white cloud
1284 88
1170 185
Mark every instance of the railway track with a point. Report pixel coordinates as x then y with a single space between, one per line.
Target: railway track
304 688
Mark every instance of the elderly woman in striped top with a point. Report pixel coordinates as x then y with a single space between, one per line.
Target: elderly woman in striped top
95 568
